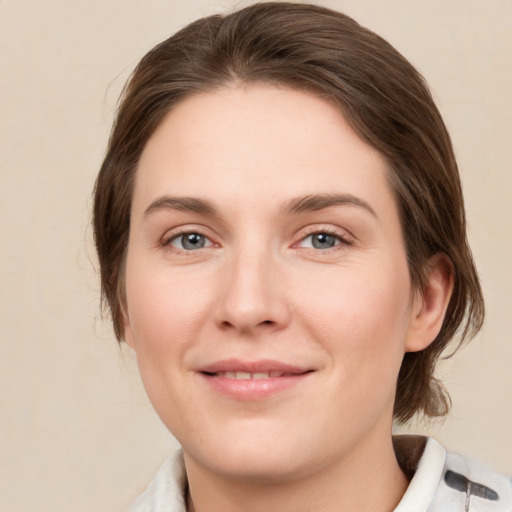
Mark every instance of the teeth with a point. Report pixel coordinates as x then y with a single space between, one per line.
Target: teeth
247 376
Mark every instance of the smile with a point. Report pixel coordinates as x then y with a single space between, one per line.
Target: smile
252 380
253 376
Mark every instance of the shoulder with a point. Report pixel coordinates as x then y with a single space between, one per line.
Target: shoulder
167 490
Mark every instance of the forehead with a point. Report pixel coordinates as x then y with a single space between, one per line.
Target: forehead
257 141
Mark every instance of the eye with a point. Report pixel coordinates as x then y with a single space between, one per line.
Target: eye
322 240
190 241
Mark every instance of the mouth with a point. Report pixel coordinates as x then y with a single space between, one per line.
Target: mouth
241 375
256 380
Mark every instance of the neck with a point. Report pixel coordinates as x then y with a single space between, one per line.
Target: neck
367 479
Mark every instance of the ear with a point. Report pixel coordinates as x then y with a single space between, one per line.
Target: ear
430 304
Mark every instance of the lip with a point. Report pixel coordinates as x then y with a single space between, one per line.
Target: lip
282 376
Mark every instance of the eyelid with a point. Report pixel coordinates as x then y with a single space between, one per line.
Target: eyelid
183 236
345 238
175 233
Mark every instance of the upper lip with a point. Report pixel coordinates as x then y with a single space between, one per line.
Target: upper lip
262 365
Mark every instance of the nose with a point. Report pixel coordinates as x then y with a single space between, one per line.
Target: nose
253 296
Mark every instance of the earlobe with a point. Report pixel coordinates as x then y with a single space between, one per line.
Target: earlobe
430 304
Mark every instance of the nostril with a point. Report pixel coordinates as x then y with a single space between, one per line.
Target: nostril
245 328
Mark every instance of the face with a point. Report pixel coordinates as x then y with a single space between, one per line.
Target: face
268 295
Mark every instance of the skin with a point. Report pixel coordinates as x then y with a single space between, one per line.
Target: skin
261 287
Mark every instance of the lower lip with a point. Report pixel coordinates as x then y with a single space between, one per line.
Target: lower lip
253 389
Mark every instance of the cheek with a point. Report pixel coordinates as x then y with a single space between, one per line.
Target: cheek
361 314
166 315
165 311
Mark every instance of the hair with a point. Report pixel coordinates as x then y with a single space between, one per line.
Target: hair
382 96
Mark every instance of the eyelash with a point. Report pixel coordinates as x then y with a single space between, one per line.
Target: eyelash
181 234
341 240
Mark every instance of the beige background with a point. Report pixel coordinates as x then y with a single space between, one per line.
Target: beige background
76 430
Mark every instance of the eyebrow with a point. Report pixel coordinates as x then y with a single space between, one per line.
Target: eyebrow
293 206
186 204
315 202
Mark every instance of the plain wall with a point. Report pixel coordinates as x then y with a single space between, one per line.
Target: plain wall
76 429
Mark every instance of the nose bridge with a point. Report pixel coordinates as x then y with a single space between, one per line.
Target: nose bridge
253 295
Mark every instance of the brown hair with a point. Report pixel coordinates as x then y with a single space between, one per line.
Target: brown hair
379 92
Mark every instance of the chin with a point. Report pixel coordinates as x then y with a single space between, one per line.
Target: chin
259 468
261 457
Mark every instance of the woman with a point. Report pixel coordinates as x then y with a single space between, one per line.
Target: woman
280 227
